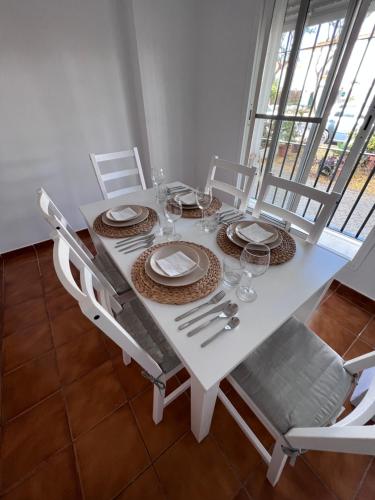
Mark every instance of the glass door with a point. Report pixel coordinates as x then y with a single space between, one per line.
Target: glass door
313 106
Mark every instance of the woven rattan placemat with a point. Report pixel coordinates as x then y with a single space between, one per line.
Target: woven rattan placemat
122 232
284 252
176 295
196 213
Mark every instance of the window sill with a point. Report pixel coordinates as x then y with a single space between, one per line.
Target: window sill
339 243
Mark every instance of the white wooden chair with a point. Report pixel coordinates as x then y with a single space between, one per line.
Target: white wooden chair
102 261
328 203
131 328
296 385
104 178
241 196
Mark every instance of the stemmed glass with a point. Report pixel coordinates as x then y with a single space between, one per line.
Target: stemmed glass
203 198
255 260
158 176
173 212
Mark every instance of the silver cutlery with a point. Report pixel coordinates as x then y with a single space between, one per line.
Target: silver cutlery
213 300
227 213
231 325
134 240
228 210
230 216
228 312
177 188
233 219
145 245
136 244
179 192
213 310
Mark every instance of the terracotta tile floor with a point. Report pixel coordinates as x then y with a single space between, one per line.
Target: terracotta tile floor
76 423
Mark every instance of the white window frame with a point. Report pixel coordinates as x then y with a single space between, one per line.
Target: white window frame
355 15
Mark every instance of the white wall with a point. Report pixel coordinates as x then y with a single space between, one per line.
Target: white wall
98 75
360 272
226 41
165 32
66 89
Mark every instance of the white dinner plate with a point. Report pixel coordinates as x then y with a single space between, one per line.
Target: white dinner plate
166 251
136 208
264 225
231 233
140 218
188 279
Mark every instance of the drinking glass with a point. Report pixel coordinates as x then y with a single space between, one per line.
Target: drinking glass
255 259
232 271
173 212
203 198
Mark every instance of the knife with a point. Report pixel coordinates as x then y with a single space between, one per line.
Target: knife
215 309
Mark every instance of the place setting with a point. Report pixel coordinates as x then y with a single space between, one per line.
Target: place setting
196 203
235 235
223 311
176 272
125 221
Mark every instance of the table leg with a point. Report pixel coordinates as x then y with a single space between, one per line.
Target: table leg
202 408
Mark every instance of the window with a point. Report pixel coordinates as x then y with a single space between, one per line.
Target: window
313 113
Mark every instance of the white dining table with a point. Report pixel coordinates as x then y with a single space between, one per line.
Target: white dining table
292 288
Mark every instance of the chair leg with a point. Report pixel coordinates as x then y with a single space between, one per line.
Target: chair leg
126 358
278 461
158 405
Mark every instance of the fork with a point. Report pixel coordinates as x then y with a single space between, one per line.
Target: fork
227 213
237 218
145 245
130 239
213 300
137 243
177 188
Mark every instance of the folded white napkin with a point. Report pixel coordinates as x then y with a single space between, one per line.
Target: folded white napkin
123 214
176 264
254 232
188 199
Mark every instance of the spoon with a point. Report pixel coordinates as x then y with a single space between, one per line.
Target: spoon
232 323
229 311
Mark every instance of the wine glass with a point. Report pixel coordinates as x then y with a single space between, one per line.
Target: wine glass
255 259
158 176
173 212
204 199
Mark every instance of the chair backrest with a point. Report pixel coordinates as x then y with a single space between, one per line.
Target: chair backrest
56 219
328 202
247 174
97 310
58 222
105 178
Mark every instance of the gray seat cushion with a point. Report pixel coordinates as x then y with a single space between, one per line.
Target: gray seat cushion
107 267
140 325
295 378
